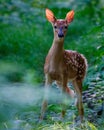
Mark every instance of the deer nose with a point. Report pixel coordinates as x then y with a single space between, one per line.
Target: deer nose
60 33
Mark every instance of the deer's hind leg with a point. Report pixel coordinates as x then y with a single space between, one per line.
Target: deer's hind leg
78 88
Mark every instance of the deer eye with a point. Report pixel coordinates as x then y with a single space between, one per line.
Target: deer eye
55 27
66 27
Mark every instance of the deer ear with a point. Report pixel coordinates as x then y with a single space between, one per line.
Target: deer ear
50 16
70 16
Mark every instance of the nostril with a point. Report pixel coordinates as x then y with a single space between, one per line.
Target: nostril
60 35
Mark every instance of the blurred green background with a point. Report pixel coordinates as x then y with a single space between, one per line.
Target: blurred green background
26 36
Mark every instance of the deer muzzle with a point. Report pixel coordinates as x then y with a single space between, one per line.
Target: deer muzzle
60 33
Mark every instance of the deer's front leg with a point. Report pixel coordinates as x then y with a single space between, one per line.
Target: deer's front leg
64 86
46 93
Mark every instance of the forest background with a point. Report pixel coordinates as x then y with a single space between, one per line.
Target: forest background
25 38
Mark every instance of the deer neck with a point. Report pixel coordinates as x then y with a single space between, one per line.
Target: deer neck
56 52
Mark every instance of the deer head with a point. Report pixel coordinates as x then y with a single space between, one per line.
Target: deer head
60 26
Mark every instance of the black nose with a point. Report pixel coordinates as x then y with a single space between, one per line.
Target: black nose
60 35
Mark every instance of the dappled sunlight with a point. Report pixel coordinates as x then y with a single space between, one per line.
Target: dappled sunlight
23 94
20 94
18 97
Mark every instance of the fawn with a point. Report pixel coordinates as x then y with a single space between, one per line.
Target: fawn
62 65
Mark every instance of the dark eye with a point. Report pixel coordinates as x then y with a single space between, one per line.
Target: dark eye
66 27
55 27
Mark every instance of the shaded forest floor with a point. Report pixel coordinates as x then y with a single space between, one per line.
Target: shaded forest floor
21 105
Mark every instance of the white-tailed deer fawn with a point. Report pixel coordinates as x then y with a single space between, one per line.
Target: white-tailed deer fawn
62 65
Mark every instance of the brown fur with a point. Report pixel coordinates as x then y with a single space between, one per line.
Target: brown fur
62 65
